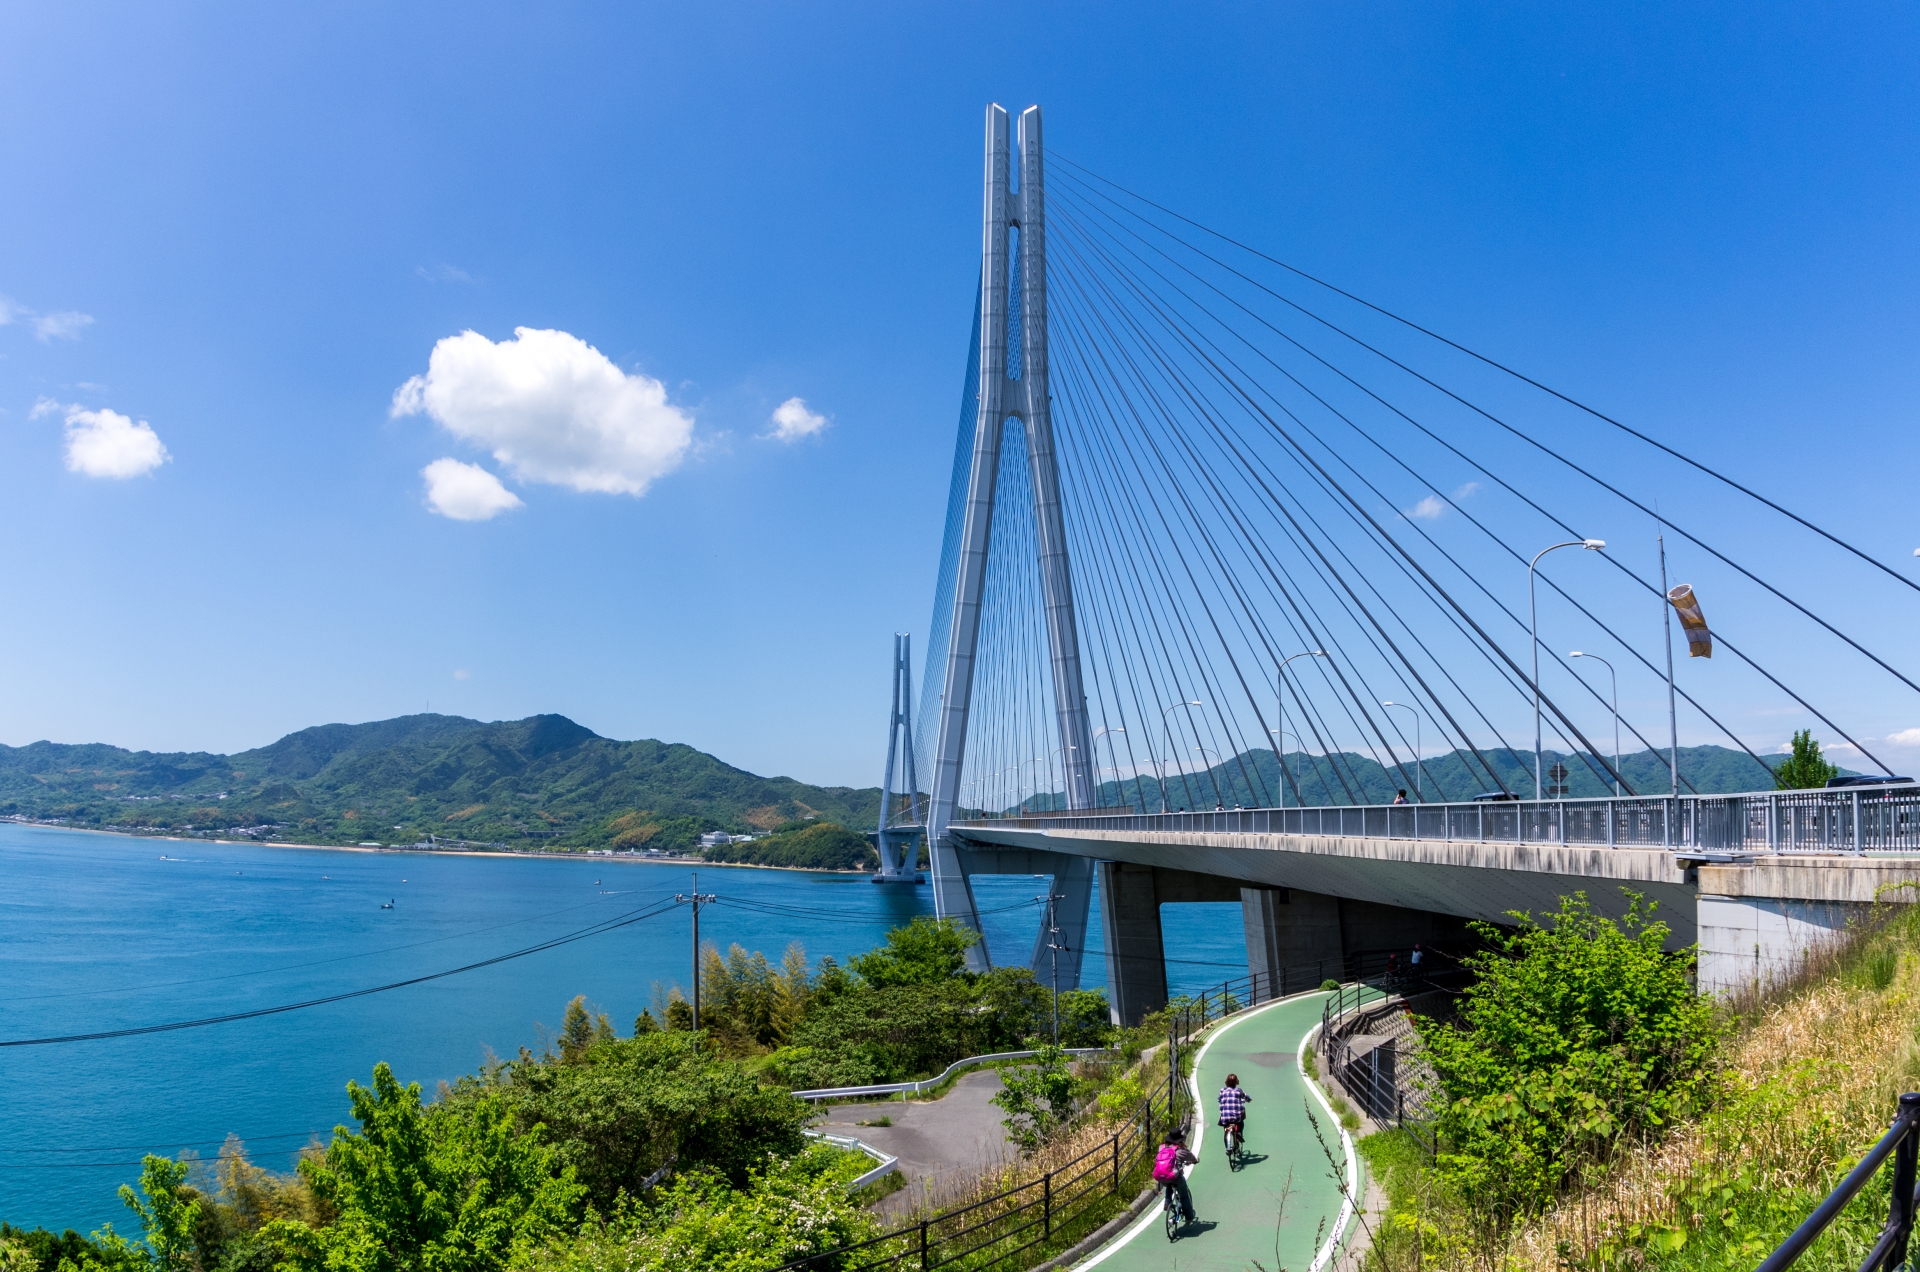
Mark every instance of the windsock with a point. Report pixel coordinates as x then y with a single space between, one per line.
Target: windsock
1687 605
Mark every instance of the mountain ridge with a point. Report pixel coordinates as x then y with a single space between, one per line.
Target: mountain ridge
544 779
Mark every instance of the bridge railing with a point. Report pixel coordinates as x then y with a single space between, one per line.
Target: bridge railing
1890 1251
1856 820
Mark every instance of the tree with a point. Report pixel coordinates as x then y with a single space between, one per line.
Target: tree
628 1106
1573 1038
581 1029
924 952
452 1189
1037 1098
1804 769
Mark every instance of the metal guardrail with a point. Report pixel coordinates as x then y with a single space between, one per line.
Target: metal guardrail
888 1163
1890 1251
1854 820
1020 1225
927 1084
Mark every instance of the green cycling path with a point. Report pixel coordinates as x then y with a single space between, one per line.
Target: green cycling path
1241 1219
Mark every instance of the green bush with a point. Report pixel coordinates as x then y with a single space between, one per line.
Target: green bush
1574 1037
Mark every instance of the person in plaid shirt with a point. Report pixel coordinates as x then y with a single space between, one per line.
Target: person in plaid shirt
1233 1107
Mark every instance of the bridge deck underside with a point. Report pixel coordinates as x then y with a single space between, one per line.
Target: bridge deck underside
1469 880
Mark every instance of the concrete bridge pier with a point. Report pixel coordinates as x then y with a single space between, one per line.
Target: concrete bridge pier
1295 938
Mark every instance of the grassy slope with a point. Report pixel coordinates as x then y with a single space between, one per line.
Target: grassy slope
542 779
1811 1082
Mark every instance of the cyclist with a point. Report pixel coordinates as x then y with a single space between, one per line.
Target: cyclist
1233 1112
1174 1154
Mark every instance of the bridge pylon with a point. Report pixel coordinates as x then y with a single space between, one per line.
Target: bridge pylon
900 826
1013 386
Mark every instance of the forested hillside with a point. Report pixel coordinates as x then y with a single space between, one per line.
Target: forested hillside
542 780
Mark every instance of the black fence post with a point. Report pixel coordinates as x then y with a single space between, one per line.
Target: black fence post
923 1245
1900 1216
1046 1206
1116 1163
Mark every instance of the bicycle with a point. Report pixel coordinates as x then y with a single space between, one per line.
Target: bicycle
1176 1212
1236 1144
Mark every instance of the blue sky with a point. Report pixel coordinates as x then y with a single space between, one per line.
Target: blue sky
249 226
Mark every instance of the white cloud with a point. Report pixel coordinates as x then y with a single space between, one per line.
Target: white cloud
61 326
553 409
1428 509
1433 507
466 492
461 674
1905 737
106 443
792 421
43 406
65 325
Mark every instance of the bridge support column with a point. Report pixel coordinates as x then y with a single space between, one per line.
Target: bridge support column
1136 953
1294 939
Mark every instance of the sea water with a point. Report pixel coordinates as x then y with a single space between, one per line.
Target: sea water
104 932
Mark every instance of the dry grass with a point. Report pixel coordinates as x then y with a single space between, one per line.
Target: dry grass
1813 1073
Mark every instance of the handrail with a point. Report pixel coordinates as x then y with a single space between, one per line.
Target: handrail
1891 1249
1852 820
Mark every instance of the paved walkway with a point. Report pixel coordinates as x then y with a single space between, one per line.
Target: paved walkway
1241 1215
939 1142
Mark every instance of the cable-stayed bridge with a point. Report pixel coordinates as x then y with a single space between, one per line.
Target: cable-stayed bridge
1234 559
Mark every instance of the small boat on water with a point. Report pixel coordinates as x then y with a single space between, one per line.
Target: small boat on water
387 906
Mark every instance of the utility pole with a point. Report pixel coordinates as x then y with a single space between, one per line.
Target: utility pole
1673 721
696 900
1055 945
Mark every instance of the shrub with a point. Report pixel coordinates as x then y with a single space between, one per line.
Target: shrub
1573 1037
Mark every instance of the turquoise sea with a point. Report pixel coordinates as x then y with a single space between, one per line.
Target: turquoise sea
102 932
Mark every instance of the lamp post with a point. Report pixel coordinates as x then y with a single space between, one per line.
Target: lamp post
1419 787
1533 634
1166 719
1280 702
1616 714
1038 759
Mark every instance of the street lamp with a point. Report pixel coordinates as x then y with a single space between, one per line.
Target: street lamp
1216 781
1038 759
1419 787
1280 701
1616 712
1064 771
1533 634
1166 719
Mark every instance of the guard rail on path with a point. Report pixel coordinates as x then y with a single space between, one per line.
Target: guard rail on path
1848 820
1020 1226
1890 1251
927 1084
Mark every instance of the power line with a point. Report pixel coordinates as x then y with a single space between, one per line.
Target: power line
204 1021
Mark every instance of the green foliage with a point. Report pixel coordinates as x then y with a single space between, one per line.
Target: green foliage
1038 1098
785 1211
1085 1018
625 1107
38 1250
821 845
453 1189
1573 1038
924 952
747 1002
580 1030
167 1218
1804 769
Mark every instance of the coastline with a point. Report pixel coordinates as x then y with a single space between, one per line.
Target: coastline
625 859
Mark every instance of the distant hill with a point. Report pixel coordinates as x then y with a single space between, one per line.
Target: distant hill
543 780
1251 778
